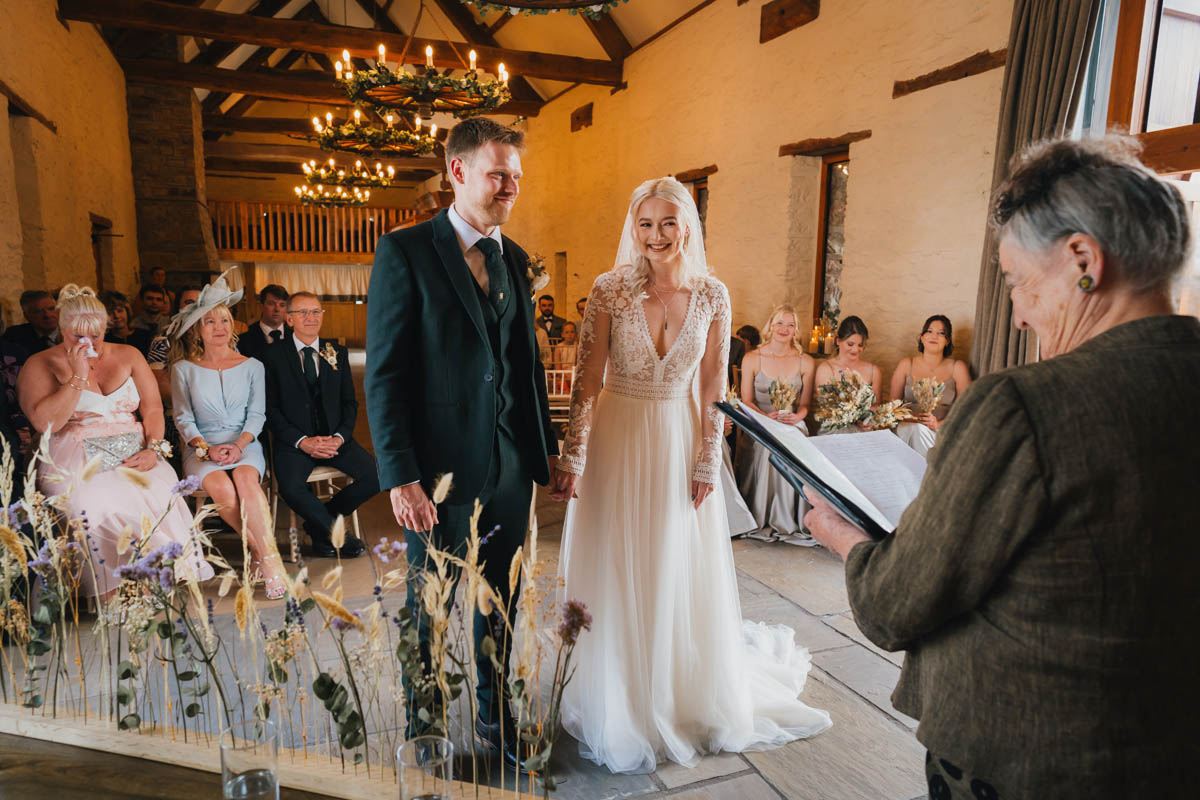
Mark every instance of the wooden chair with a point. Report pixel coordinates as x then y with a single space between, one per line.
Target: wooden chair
558 391
323 477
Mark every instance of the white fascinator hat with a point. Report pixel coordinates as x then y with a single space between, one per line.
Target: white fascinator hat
215 294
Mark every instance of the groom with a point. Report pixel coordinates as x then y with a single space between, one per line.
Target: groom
454 385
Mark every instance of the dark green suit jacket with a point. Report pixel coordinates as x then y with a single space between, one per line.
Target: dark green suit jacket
1043 581
430 397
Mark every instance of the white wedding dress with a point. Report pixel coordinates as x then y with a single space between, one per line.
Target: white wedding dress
669 670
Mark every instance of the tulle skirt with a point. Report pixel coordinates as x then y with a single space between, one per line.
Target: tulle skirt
669 669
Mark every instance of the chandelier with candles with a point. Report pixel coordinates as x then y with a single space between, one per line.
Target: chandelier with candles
587 8
424 90
327 196
358 175
357 135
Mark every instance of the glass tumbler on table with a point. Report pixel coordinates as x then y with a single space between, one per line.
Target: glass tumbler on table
426 768
250 760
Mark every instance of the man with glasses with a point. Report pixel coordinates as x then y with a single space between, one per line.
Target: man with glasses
311 411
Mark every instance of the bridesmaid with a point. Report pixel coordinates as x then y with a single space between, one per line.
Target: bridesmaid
219 397
777 508
849 343
935 344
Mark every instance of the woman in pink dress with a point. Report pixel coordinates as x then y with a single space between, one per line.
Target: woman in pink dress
91 398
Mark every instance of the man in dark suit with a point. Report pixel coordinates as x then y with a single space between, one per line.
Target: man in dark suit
311 412
40 329
454 385
547 320
272 327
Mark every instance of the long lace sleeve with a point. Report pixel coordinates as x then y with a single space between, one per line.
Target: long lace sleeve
589 375
712 377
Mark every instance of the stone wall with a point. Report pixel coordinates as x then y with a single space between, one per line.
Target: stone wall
50 182
174 230
708 93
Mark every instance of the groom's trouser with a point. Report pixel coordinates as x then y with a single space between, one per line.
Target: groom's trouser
511 490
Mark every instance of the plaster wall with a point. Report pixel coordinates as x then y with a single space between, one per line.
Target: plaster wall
57 178
708 93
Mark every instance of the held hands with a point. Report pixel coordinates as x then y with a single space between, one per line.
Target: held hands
225 454
562 485
142 461
321 446
412 507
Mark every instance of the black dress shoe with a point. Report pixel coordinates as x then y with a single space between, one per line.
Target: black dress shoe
509 745
323 548
353 548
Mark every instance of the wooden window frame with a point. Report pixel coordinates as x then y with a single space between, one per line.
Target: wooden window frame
1170 150
827 161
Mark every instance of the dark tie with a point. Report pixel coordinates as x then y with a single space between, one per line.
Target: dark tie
276 336
310 366
497 273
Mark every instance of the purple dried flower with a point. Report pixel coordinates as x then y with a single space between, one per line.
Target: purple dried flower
575 619
166 579
211 614
339 624
187 486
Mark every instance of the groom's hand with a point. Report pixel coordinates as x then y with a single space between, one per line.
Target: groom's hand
562 485
413 508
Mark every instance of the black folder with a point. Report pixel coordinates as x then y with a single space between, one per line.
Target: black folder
798 475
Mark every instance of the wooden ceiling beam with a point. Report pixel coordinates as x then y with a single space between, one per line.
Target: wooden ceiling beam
295 153
609 36
300 86
283 125
476 34
315 37
217 52
256 61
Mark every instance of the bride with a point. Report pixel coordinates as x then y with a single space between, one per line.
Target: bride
669 671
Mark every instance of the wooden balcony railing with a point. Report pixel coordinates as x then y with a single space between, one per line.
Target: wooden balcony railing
248 231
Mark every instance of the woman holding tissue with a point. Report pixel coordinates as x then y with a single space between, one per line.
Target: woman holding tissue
1043 580
98 403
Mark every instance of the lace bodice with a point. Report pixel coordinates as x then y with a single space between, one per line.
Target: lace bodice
616 352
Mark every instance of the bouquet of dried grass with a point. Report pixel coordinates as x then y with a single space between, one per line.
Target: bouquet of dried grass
889 415
782 394
844 402
926 394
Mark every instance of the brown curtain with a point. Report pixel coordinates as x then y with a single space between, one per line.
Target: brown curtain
1048 48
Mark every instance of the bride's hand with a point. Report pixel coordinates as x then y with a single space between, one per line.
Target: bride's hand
700 491
562 485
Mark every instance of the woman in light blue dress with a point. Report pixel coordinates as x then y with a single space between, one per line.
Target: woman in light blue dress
219 398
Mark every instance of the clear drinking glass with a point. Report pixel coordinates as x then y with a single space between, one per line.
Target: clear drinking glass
250 760
426 768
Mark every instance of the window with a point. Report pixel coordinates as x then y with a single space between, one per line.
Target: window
831 233
1189 294
1175 66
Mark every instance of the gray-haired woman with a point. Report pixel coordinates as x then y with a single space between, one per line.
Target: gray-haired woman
1043 581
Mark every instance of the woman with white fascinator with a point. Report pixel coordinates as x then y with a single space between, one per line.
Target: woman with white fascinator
669 671
219 397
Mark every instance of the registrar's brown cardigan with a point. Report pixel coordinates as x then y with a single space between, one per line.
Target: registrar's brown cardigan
1044 581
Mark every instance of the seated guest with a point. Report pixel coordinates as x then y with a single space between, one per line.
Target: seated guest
849 343
749 336
581 307
271 327
311 411
566 352
40 329
154 310
546 320
12 358
935 344
119 330
105 404
1042 582
776 505
158 277
219 397
158 357
545 350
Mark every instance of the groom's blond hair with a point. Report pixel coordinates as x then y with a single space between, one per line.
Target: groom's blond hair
471 134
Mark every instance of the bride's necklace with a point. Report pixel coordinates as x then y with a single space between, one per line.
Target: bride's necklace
666 315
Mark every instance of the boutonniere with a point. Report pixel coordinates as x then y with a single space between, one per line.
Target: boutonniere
330 355
535 271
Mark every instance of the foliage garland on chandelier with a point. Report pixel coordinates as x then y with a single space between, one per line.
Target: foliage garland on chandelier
329 173
324 198
425 91
586 8
352 136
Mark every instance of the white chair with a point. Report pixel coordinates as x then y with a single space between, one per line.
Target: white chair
558 392
323 477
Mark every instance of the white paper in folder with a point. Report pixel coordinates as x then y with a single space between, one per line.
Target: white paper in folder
876 471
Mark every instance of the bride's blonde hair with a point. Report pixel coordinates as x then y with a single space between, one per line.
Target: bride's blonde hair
80 312
629 254
768 332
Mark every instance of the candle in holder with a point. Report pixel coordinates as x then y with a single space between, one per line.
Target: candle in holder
471 55
382 57
429 56
812 342
829 344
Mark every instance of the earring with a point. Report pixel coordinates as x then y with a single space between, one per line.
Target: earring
1087 283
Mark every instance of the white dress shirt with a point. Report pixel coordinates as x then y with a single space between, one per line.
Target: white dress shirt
467 237
267 330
